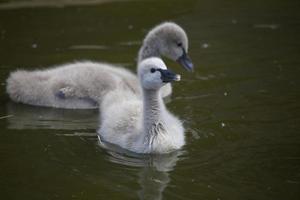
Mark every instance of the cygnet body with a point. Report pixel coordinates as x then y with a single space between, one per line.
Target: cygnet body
82 85
142 125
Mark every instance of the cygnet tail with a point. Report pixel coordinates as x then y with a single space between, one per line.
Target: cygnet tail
27 87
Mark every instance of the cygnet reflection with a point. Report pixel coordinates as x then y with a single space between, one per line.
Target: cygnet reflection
30 117
154 169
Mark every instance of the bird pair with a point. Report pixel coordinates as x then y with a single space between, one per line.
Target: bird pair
142 125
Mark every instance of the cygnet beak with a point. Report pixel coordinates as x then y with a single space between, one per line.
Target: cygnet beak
168 76
185 61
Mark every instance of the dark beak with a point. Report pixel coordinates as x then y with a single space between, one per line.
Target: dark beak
168 76
185 61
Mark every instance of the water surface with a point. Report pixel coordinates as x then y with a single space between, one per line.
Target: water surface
240 107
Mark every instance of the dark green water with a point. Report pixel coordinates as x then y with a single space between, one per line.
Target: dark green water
240 107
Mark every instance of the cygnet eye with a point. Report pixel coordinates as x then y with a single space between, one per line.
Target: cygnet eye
152 70
179 44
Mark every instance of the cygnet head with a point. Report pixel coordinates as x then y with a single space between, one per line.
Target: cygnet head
153 74
170 40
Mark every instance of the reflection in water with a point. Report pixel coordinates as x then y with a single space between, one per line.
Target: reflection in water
153 183
153 170
153 175
31 117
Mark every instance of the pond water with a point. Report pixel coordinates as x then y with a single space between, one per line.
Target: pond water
240 107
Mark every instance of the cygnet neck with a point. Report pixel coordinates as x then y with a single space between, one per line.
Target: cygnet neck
153 109
150 48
